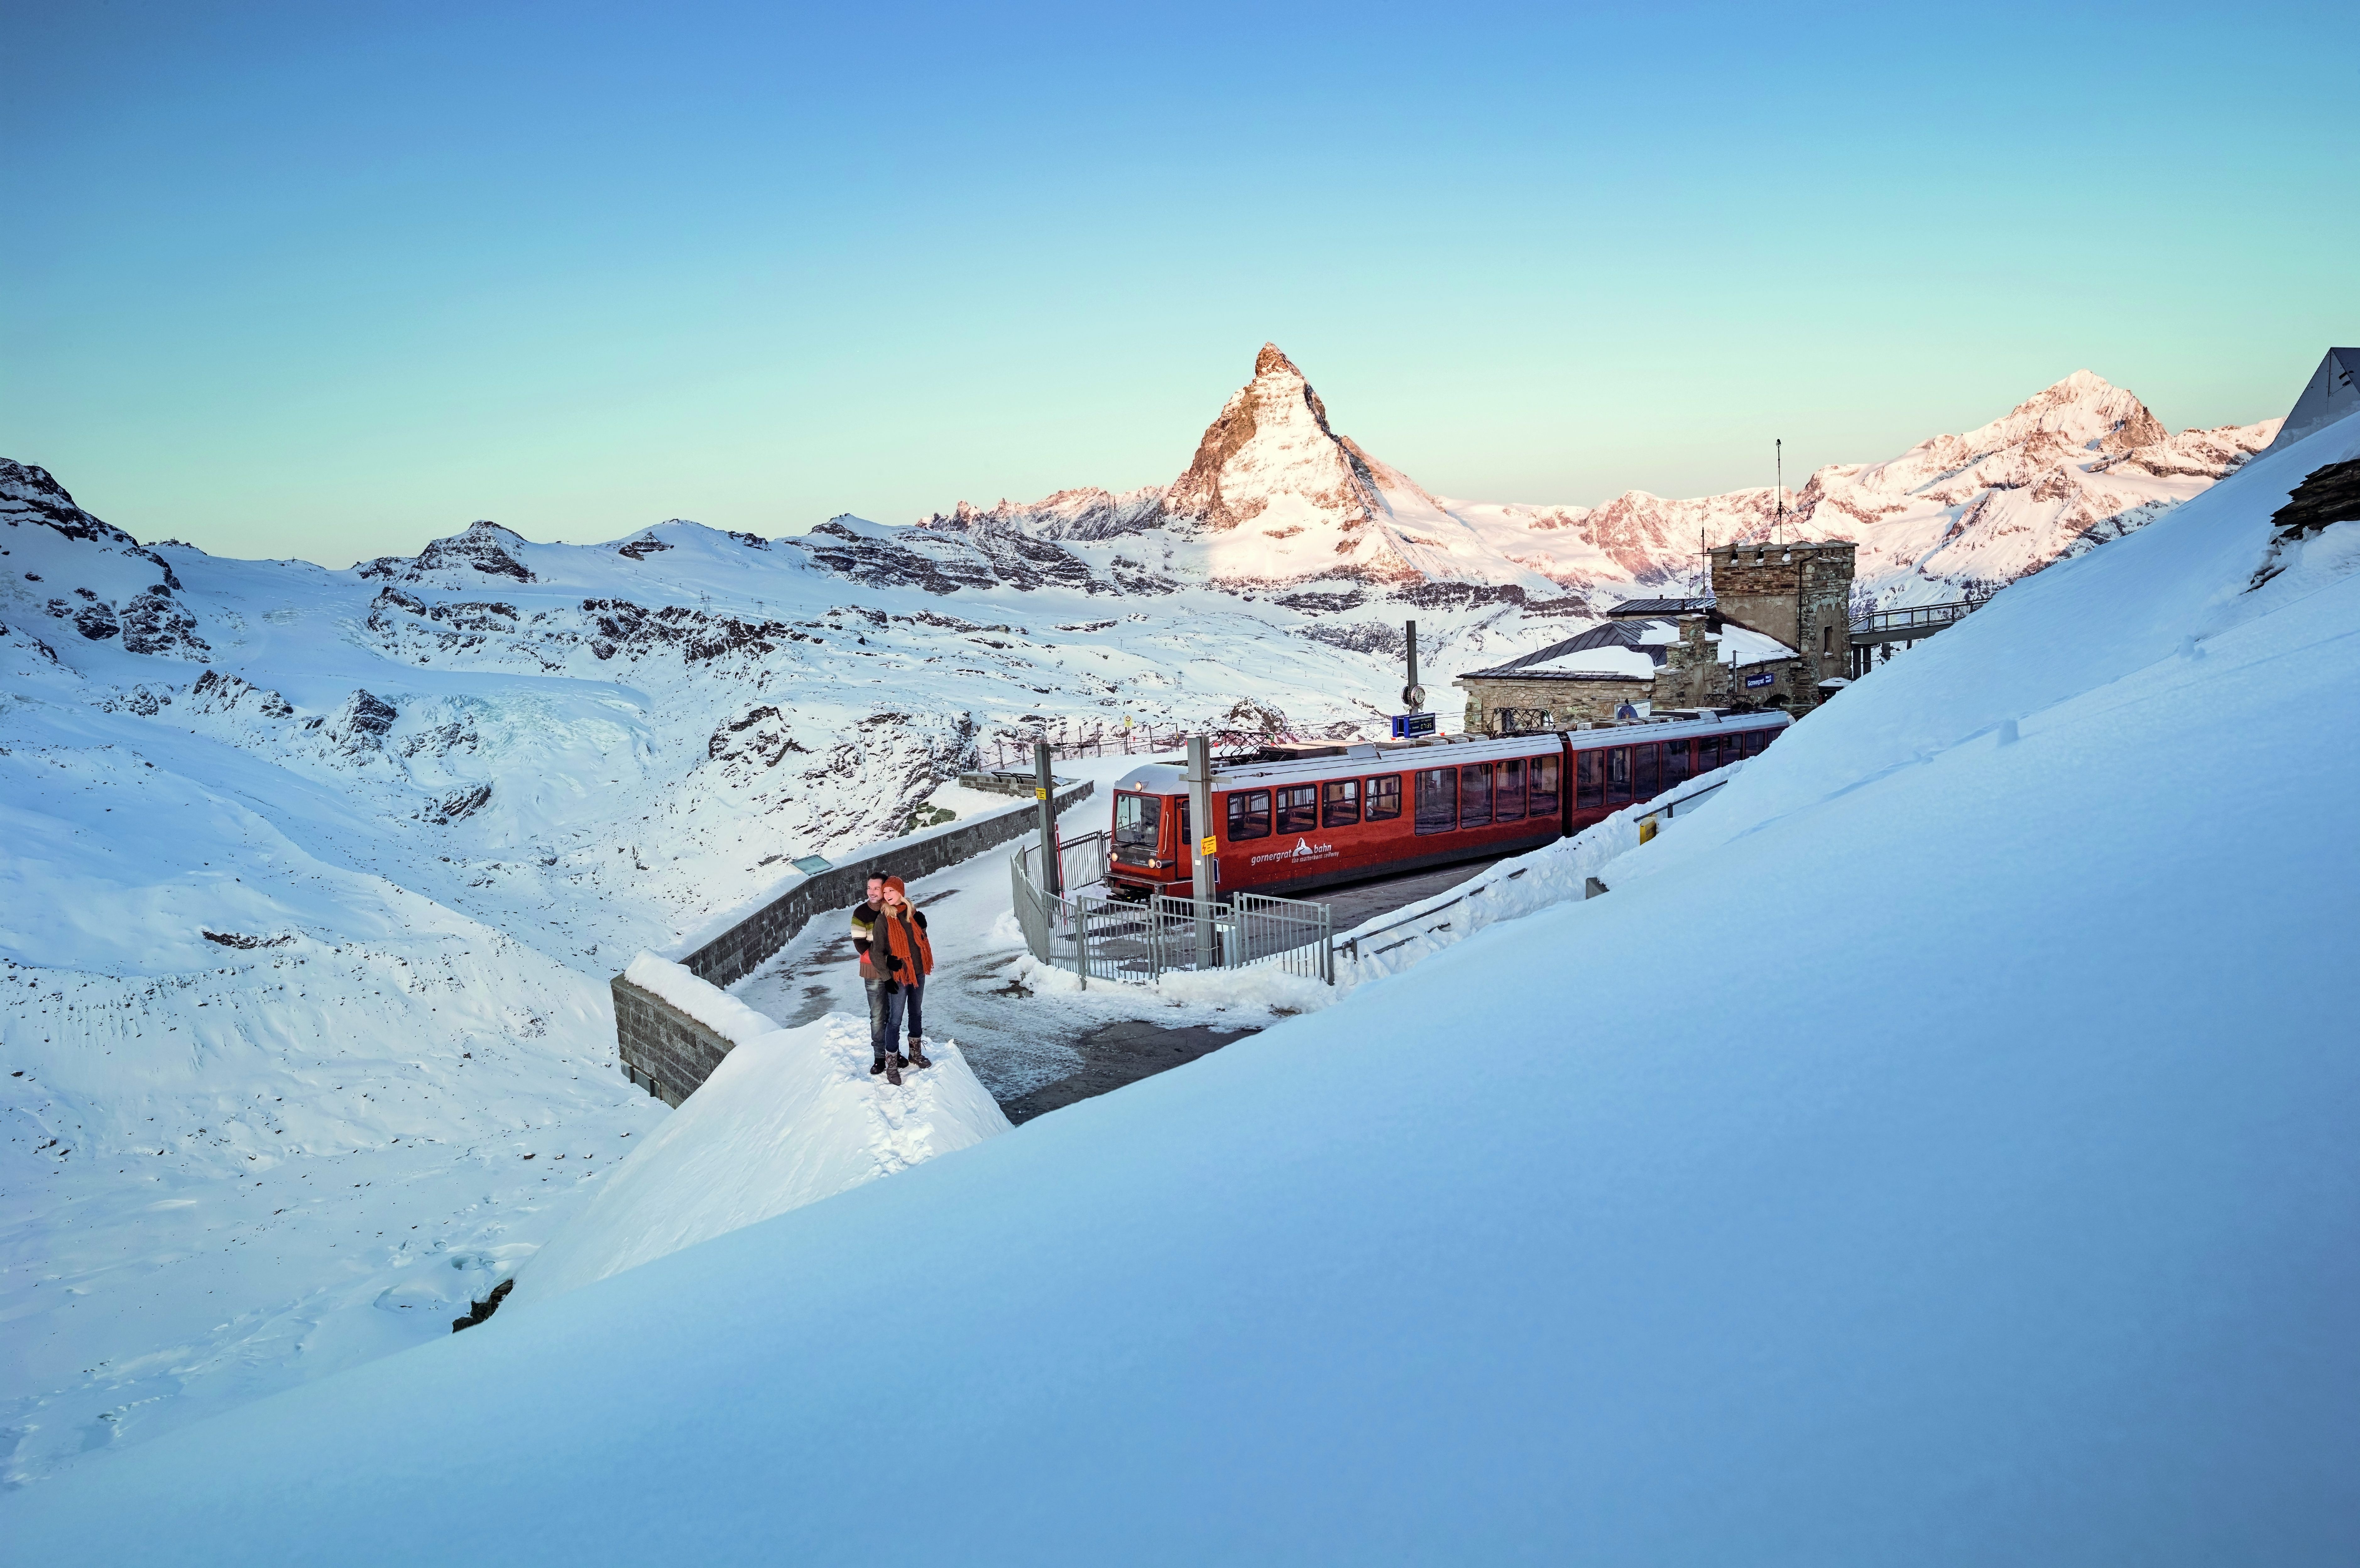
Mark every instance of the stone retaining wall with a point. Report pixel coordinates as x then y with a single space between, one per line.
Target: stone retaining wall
664 1050
669 1053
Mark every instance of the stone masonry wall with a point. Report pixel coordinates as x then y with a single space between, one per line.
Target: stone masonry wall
743 948
1800 593
670 1054
664 1050
1567 702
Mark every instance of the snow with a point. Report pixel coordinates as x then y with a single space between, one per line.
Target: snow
1935 1150
788 1118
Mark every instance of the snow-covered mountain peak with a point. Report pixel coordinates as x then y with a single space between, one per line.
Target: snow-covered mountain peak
1271 447
484 550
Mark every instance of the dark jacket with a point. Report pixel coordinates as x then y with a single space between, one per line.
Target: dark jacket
871 931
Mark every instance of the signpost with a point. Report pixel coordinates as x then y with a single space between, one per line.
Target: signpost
1415 721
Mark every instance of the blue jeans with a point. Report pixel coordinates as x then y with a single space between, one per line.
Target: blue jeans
886 1012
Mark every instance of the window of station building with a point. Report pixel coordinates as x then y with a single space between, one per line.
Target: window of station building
1646 772
1508 792
1250 814
1339 803
1298 808
1827 639
1543 787
1617 776
1138 825
1475 796
1588 779
1675 762
1384 798
1437 800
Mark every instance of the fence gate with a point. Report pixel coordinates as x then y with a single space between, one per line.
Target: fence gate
1113 939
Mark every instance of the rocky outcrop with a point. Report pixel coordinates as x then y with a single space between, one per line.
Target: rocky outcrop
360 726
215 693
153 623
28 495
485 549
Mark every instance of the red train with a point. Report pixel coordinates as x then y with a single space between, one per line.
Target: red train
1344 813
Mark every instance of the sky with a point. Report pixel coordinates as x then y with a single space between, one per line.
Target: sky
330 281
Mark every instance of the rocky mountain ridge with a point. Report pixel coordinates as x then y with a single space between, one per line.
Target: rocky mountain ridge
1275 497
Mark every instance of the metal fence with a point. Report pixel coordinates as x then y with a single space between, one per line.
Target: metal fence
1113 939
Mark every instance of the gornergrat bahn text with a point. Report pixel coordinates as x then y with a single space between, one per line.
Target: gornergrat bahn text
1299 818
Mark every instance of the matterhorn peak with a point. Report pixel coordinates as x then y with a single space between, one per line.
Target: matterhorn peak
1272 360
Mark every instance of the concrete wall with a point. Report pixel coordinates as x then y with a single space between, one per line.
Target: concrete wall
669 1053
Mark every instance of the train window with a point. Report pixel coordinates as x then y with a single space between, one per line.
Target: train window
1186 852
1708 753
1138 825
1543 784
1508 793
1588 779
1675 762
1475 795
1339 804
1645 782
1250 814
1617 776
1437 800
1384 798
1298 808
1755 741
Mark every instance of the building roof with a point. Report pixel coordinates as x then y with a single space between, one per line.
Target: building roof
1644 607
2334 391
1612 650
1631 650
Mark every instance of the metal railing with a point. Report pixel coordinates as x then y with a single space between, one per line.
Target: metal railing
1099 937
1928 617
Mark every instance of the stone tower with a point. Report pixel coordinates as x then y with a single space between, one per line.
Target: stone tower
1800 593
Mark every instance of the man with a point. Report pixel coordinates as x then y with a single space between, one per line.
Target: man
890 934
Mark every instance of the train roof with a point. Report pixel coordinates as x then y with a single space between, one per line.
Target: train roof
1168 777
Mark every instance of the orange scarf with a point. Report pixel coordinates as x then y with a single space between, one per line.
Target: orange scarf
906 938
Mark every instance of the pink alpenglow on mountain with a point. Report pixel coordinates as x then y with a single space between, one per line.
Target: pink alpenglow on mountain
1274 495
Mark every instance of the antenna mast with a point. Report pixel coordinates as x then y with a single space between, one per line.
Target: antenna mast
1778 529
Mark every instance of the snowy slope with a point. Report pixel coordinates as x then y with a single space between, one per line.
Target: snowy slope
310 882
791 1116
1831 1191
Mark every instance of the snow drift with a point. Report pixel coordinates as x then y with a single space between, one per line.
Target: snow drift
788 1118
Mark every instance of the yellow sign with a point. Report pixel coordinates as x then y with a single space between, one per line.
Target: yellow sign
1207 847
1039 793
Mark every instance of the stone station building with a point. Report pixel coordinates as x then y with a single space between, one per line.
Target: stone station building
1774 632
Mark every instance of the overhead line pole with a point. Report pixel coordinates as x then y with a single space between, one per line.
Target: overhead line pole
1199 778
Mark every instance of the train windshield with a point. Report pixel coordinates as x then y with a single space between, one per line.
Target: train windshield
1138 823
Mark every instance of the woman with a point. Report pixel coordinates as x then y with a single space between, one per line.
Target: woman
902 957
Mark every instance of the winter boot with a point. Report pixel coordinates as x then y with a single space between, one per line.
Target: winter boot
876 1067
918 1057
893 1070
